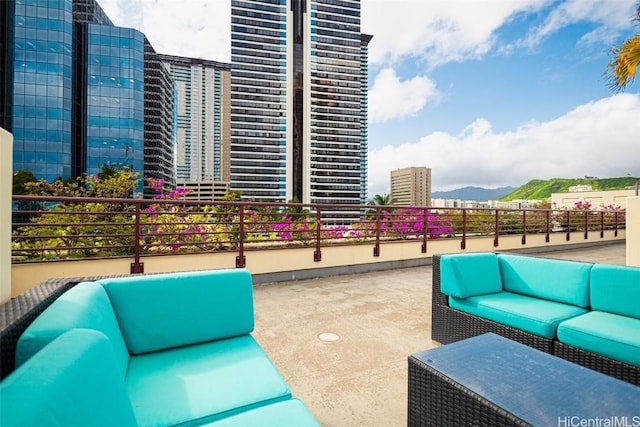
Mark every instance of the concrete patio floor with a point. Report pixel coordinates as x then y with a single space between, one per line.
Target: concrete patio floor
342 342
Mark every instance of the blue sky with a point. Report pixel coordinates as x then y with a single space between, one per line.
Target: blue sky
484 92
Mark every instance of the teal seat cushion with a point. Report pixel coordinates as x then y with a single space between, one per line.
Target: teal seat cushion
616 289
610 335
465 275
75 381
202 382
86 305
534 315
550 279
288 413
171 310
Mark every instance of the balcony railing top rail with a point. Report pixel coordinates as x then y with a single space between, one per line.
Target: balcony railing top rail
52 228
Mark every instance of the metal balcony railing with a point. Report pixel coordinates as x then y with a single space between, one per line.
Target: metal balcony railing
54 228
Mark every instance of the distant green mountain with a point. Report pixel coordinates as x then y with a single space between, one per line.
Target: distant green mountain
473 193
538 189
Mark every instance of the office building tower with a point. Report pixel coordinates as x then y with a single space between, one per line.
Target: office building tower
110 120
37 80
297 102
202 121
159 120
364 116
411 186
73 91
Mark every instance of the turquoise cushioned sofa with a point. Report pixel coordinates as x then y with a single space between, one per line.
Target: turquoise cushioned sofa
531 294
612 327
157 350
583 312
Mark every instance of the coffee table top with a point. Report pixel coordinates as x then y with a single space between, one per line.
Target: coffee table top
537 387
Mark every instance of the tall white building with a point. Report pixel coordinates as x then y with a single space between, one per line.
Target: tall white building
202 98
297 102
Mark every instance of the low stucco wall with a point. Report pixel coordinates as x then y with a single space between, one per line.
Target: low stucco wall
6 180
296 263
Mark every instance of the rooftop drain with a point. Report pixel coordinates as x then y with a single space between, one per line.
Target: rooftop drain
328 337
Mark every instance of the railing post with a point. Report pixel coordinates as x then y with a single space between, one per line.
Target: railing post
317 254
524 227
463 242
137 267
615 223
586 224
548 218
601 224
496 241
376 247
240 258
425 229
568 225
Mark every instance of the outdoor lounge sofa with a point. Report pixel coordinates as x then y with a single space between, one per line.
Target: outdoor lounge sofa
156 350
583 312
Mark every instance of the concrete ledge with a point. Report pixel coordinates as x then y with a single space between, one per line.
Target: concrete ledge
314 273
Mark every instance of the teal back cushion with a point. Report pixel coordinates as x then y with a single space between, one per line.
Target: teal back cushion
75 381
170 310
466 275
616 289
86 305
551 279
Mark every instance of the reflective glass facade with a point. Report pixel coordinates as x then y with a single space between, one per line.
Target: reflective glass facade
115 98
299 101
41 87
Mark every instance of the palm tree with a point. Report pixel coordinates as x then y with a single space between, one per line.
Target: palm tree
382 200
622 69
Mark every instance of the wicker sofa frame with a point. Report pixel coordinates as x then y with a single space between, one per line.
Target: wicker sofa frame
18 313
449 325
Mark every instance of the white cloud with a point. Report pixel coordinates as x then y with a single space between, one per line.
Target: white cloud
610 16
193 28
476 130
436 32
595 139
391 98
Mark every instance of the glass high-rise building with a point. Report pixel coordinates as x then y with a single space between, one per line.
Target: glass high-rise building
73 90
37 80
114 99
298 102
202 118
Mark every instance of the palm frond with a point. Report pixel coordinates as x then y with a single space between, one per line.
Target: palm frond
621 71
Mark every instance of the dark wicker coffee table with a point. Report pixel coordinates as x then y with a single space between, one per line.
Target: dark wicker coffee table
490 380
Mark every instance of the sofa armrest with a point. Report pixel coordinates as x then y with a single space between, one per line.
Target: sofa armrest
73 381
85 306
157 312
18 313
437 297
